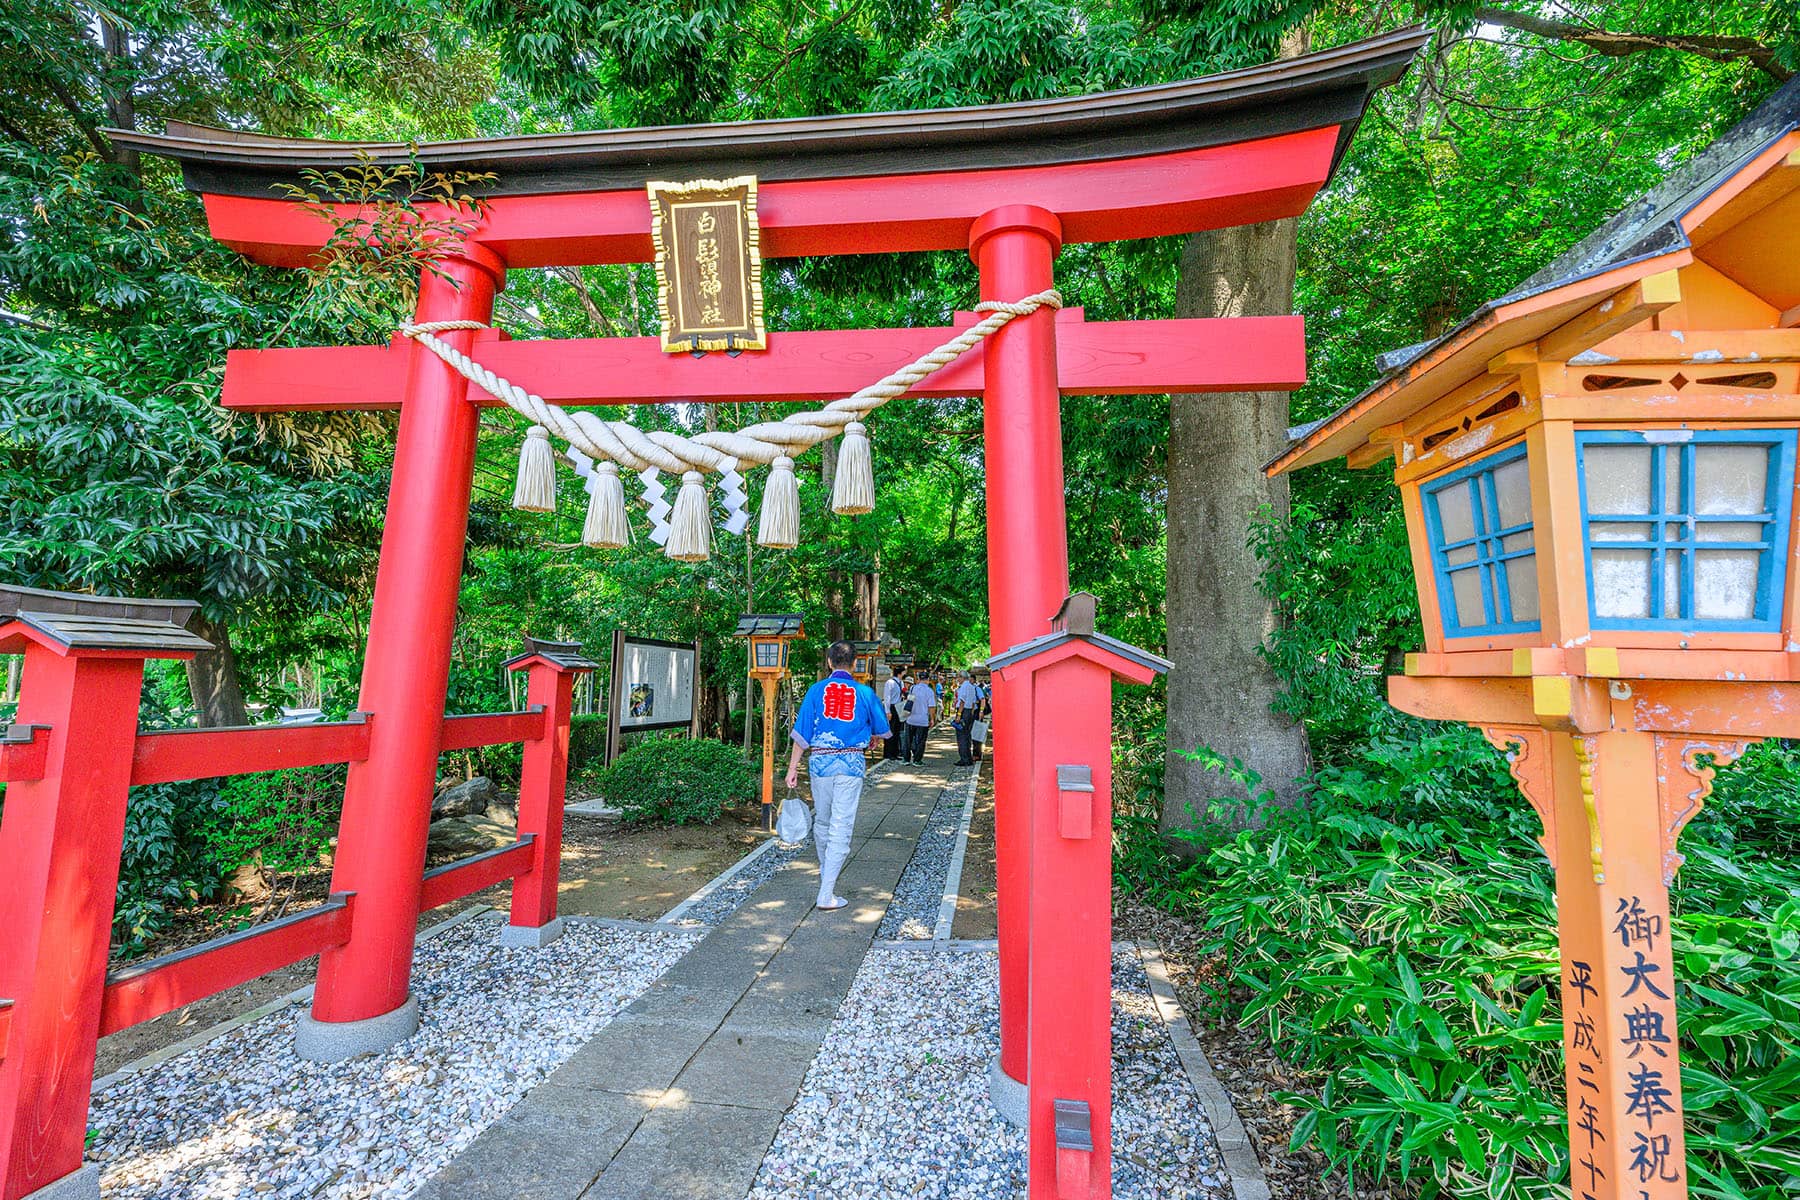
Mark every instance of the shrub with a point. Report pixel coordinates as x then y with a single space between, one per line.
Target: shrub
165 865
1398 937
678 781
289 817
587 743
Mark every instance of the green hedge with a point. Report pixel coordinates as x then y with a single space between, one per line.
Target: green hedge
1398 936
587 743
678 781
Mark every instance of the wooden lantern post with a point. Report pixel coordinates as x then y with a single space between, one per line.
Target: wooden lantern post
1601 526
770 636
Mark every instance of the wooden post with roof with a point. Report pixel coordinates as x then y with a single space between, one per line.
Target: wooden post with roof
1598 472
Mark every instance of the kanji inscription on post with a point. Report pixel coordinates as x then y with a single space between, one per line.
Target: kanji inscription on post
708 265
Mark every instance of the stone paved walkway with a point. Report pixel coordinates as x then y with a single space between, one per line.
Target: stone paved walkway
680 1096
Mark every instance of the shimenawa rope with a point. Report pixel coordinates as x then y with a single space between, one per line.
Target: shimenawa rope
774 443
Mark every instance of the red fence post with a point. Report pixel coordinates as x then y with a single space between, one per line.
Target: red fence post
551 668
1062 683
60 841
363 1000
1015 249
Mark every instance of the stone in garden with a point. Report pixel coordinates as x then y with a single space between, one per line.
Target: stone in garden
468 799
249 883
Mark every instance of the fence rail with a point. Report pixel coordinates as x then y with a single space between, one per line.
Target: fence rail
146 990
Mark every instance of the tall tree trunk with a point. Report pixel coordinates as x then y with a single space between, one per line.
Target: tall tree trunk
1221 690
213 676
868 603
121 105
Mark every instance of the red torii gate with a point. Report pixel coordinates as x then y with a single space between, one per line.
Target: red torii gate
1010 183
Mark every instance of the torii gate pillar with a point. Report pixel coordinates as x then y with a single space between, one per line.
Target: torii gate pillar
1015 250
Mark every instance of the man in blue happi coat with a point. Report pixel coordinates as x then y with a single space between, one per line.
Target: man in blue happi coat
835 723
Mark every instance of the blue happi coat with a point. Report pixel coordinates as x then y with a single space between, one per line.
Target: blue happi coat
836 722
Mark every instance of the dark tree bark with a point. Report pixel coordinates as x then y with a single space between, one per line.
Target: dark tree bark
121 105
213 676
1221 690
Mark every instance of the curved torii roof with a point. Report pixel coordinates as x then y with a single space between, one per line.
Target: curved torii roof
1315 91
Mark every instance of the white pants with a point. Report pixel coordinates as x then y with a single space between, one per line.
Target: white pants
835 798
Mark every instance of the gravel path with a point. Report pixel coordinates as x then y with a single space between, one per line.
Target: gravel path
895 1104
244 1117
724 900
913 913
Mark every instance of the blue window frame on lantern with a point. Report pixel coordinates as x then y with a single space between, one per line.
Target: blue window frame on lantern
1686 530
1483 552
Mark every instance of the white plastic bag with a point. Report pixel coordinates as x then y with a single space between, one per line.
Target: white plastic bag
794 821
978 732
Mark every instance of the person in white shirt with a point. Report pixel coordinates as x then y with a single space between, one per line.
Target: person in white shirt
919 721
968 710
893 693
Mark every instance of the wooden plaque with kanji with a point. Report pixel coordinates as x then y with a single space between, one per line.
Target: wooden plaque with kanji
708 267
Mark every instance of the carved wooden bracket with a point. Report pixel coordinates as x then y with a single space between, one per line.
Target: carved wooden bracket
1677 772
1527 751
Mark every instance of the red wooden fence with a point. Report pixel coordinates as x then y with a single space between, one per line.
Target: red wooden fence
61 836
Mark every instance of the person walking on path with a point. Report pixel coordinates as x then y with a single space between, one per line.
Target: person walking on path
924 700
968 711
893 695
835 722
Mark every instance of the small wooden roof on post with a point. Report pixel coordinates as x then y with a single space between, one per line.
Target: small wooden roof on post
68 622
564 656
1073 634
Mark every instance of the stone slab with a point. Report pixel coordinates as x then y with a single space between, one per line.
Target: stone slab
690 1151
633 1055
551 1146
749 1068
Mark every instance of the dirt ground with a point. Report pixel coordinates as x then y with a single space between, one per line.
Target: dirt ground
975 908
607 871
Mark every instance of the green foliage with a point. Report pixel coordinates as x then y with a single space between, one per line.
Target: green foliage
678 781
166 865
587 743
1397 935
287 818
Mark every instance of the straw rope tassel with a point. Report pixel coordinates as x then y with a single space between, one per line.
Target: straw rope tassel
606 527
779 525
690 526
717 451
853 491
535 490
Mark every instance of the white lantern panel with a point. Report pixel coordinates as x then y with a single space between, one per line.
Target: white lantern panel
1465 588
1730 479
1512 492
1461 556
1455 515
1671 482
1522 584
1671 597
1725 584
1618 478
1622 583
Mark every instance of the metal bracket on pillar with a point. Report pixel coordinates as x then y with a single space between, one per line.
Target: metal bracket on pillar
1075 801
1074 1147
24 751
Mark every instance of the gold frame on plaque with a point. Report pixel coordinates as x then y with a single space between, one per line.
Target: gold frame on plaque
675 257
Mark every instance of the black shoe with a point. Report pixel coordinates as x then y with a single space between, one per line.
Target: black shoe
965 762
